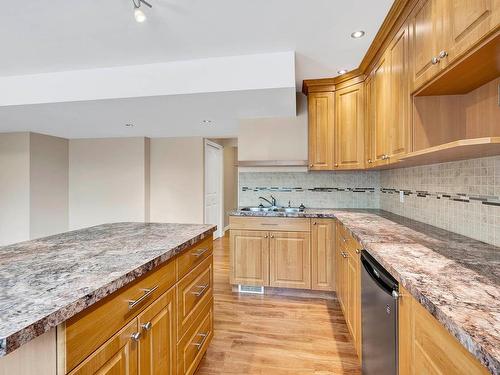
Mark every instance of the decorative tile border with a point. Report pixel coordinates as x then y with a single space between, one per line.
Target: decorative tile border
458 197
316 189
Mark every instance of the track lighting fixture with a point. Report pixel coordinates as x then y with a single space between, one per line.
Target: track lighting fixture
138 13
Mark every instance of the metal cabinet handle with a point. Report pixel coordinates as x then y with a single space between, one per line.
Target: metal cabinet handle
147 292
434 60
147 326
370 161
336 165
136 336
272 236
443 54
199 253
265 236
315 223
357 251
201 290
203 339
311 165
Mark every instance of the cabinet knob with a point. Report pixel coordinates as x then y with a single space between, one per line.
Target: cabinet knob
265 236
434 60
357 251
370 161
272 236
311 165
135 336
147 326
443 54
336 165
314 223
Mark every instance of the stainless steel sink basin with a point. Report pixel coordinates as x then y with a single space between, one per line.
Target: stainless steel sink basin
273 209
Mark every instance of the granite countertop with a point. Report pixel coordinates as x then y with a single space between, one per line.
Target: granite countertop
49 280
455 278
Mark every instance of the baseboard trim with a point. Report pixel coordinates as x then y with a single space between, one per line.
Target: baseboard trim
299 293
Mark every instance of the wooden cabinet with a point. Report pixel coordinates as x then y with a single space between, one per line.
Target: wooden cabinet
443 30
349 128
139 329
118 355
322 254
348 276
468 21
379 130
157 344
289 260
321 130
285 257
426 347
249 257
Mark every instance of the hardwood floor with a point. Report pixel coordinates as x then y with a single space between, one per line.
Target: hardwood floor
274 335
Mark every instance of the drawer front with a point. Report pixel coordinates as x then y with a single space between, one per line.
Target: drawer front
270 224
193 292
87 331
346 241
194 256
194 344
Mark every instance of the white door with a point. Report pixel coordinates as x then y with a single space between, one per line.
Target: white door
213 186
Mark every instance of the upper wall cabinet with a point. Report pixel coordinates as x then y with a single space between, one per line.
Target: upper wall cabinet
349 127
443 30
321 128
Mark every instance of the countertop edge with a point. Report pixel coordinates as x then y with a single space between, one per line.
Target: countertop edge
17 339
464 338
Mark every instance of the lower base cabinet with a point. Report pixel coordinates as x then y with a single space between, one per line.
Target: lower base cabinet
426 347
163 334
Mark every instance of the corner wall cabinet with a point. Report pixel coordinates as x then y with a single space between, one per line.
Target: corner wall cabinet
431 85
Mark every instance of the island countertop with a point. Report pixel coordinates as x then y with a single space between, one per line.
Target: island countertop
454 277
47 281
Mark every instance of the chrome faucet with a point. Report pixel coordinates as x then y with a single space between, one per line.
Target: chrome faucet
272 202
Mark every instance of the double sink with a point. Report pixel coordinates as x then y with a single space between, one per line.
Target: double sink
273 209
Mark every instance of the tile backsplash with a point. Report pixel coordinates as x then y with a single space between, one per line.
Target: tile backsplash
462 197
313 189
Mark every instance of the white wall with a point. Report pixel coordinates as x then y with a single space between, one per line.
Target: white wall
48 185
14 188
275 138
108 181
177 179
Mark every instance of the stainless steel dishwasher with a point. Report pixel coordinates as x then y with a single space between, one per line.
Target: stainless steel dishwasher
379 317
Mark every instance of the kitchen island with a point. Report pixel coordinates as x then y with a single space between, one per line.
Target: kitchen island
454 278
94 296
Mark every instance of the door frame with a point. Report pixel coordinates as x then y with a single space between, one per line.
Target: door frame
220 225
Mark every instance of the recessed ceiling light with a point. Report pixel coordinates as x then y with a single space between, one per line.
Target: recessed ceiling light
129 125
342 71
357 34
207 122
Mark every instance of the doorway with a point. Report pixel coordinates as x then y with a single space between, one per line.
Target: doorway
214 174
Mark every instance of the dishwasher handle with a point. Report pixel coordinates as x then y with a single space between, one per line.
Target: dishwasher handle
378 274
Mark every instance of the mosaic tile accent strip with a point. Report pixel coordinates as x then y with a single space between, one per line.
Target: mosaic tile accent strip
458 197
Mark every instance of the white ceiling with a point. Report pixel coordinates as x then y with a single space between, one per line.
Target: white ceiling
191 60
57 35
154 116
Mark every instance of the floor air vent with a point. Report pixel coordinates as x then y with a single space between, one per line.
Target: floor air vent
250 289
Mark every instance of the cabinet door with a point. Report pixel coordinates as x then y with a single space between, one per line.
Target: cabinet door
469 20
353 315
339 268
379 132
369 121
323 251
321 128
427 40
116 356
158 341
349 127
426 347
289 260
249 257
398 124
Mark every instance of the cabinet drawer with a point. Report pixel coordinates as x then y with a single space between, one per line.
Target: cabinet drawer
270 223
193 345
194 256
88 330
193 292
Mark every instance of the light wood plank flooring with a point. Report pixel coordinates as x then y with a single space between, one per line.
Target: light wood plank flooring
274 335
